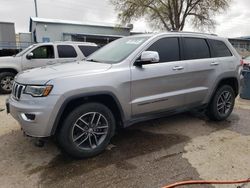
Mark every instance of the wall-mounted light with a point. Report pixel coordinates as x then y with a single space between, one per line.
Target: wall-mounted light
45 27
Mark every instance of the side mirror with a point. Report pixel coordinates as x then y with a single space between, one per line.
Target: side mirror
30 55
148 57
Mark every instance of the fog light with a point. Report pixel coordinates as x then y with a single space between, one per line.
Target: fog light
28 117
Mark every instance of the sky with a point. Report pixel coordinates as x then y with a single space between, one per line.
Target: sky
235 22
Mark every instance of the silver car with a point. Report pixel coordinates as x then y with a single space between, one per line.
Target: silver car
132 79
39 55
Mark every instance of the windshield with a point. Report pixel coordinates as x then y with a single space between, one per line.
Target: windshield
24 51
117 51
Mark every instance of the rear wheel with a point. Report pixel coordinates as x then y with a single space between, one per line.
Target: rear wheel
6 82
87 130
222 103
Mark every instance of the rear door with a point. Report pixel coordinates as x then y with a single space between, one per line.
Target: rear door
224 56
159 86
66 53
202 69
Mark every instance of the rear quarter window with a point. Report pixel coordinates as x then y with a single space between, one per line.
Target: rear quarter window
219 49
195 48
87 50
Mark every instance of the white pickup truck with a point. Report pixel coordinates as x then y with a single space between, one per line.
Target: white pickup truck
39 55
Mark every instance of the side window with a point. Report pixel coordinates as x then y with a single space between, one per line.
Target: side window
87 50
219 49
195 48
66 51
43 52
168 49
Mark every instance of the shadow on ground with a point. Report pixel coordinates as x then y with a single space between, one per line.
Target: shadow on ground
127 145
148 154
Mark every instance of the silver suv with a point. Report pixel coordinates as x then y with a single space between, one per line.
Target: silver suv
132 79
39 55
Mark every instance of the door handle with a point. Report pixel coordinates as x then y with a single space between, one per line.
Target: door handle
214 64
178 68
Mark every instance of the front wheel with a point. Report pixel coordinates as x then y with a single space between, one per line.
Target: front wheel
222 104
87 130
6 82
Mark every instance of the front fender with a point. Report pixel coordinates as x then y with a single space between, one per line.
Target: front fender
68 100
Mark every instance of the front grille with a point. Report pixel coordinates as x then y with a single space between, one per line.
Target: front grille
17 90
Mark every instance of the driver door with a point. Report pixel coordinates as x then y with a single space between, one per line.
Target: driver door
159 86
38 57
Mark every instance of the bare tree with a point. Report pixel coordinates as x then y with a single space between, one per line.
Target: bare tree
171 14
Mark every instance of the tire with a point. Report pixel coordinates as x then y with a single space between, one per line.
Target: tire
222 103
6 82
80 130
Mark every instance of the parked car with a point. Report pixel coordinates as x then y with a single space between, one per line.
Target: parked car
39 55
132 79
246 62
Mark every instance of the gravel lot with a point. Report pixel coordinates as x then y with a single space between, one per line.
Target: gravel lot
149 154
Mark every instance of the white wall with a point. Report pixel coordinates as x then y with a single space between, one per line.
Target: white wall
54 32
7 35
25 40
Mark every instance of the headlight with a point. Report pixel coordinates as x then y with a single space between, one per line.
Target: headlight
38 91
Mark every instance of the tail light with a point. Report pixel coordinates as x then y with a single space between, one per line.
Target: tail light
241 62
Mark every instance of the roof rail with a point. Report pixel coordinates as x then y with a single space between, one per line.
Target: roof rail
194 32
68 41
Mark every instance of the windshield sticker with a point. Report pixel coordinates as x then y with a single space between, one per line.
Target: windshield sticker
135 41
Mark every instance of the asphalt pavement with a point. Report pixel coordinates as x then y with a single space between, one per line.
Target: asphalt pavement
150 154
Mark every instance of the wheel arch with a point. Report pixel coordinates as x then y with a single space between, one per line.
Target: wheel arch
106 98
12 70
231 81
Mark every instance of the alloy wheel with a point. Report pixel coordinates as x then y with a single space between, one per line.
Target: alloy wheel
224 103
90 130
7 83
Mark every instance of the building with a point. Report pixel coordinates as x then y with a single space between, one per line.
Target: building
49 30
241 43
7 36
7 39
23 40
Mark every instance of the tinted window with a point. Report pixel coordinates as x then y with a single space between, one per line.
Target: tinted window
66 51
195 48
87 50
43 52
219 49
168 49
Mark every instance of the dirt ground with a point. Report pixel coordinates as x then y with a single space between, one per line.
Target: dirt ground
150 154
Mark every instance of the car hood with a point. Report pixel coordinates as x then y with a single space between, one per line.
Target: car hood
8 59
44 74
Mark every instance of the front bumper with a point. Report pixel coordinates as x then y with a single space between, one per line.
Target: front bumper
35 115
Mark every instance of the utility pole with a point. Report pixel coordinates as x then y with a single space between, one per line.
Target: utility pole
36 8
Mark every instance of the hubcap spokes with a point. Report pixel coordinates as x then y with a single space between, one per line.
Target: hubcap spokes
90 130
7 83
224 103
